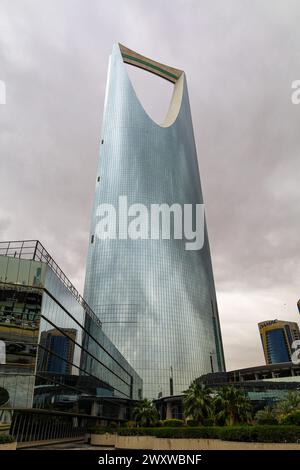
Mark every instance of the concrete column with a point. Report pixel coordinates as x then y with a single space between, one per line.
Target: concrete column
122 410
94 409
169 411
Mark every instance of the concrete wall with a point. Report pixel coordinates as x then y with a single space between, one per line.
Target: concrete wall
103 439
8 446
154 443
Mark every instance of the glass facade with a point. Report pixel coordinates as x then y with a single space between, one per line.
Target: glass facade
156 300
277 339
56 351
277 346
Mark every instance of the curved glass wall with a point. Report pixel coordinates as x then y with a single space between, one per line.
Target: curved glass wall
156 300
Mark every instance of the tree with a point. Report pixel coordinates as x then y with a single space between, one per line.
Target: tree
197 402
289 404
232 406
266 416
145 413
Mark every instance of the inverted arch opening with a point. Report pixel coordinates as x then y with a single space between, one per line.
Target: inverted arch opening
153 93
161 99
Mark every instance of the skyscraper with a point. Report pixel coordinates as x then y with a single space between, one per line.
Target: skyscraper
277 338
155 298
58 346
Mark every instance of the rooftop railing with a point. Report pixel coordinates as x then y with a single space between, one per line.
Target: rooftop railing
34 250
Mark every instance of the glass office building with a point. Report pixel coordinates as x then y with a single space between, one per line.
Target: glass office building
156 299
277 339
57 354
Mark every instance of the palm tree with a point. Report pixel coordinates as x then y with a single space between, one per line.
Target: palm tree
197 402
145 413
290 403
266 416
232 406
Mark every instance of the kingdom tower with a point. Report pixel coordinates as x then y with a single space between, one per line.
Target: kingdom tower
156 300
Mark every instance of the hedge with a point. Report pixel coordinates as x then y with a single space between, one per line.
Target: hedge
192 422
263 433
173 432
284 433
5 439
292 418
172 423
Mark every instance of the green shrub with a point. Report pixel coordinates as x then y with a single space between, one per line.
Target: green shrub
266 416
258 433
113 425
267 421
134 431
173 432
130 424
208 422
172 423
101 430
192 422
238 433
5 439
292 418
158 424
278 433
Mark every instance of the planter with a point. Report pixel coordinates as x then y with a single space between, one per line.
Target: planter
105 440
155 443
138 442
8 446
4 428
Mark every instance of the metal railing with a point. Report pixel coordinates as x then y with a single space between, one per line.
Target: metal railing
34 250
43 425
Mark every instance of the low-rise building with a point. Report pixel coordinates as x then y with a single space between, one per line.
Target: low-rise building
263 385
57 355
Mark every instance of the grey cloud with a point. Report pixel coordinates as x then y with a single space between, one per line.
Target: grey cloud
240 59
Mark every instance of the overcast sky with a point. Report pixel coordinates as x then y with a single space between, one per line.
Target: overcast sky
240 58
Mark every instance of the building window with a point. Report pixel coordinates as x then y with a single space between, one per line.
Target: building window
92 239
98 179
